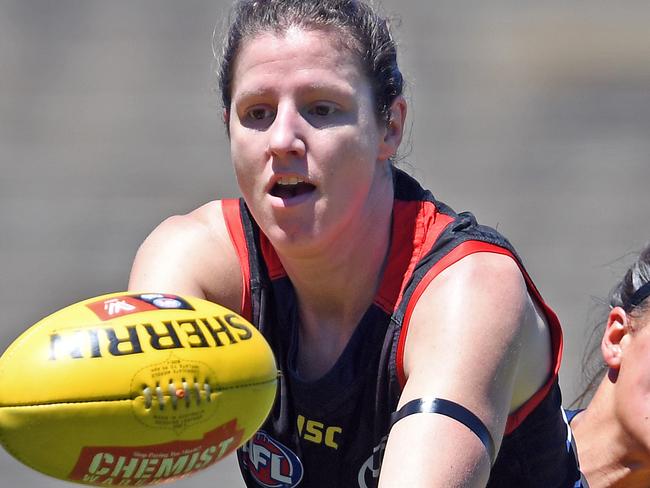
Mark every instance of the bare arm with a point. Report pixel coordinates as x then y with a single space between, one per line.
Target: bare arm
464 344
190 255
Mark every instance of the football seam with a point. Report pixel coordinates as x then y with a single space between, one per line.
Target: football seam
5 441
129 399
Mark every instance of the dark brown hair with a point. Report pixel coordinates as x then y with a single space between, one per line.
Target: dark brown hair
359 27
622 295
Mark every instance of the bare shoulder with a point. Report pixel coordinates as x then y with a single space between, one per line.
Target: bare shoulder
478 319
464 344
190 254
479 285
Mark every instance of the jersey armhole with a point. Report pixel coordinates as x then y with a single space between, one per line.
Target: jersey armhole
232 217
461 251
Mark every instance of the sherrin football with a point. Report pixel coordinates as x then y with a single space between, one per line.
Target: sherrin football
132 389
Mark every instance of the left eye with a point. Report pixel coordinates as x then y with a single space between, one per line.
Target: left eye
259 113
322 109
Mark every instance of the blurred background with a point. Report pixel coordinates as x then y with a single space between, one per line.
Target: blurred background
534 115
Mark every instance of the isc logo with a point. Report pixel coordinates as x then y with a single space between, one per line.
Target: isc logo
318 432
271 463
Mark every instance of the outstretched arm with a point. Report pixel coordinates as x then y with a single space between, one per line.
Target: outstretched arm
464 345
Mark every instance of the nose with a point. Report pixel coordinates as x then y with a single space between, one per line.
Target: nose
285 133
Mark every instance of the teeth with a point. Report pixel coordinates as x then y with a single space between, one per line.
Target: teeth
290 180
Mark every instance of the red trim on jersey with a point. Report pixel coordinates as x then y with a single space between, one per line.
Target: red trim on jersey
273 264
518 416
416 226
465 249
232 218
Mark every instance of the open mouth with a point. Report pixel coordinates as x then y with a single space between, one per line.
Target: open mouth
291 187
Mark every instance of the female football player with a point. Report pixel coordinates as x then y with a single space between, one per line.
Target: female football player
415 350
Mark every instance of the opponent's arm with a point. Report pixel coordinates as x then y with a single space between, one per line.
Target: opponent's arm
464 345
190 255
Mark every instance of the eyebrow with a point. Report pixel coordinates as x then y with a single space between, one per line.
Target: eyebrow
341 89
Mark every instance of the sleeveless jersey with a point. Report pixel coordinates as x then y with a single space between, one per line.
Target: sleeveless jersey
332 432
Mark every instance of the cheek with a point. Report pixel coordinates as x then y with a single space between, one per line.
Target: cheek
356 152
244 155
633 397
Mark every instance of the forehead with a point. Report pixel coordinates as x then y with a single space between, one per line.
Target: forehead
296 52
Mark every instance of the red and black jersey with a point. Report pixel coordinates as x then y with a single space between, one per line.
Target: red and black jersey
332 432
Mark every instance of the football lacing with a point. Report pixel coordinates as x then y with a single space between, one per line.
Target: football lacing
176 393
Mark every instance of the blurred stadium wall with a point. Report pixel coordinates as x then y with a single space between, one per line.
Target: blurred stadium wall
534 115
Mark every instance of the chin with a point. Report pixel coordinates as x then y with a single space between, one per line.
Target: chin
294 236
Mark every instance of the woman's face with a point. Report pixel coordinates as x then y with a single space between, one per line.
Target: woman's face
308 152
633 381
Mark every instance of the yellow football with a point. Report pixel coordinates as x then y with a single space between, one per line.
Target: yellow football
132 389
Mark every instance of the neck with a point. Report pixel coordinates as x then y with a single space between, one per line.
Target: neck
338 281
608 455
337 276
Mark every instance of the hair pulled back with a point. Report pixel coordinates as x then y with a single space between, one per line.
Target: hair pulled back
622 295
362 30
636 276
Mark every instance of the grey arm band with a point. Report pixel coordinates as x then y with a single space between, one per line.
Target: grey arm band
451 410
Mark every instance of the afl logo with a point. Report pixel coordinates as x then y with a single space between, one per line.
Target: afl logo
271 464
